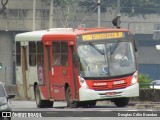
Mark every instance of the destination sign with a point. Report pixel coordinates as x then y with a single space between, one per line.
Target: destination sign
102 36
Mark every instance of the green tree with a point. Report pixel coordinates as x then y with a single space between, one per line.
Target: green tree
144 80
130 7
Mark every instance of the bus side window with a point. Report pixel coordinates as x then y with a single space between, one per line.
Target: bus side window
64 53
56 53
40 55
18 54
32 53
60 53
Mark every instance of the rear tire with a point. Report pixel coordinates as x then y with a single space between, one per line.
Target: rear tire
70 103
48 104
42 103
121 102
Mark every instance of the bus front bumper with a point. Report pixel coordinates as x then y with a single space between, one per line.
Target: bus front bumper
88 94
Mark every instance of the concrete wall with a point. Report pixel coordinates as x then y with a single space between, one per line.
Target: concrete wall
6 58
18 17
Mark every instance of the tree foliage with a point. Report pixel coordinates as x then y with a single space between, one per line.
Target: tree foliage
60 3
127 6
144 80
3 3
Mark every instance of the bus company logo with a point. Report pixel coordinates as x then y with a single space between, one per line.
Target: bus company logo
118 82
100 84
40 75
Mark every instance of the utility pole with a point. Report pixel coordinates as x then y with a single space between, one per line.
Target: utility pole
99 13
51 14
34 15
118 13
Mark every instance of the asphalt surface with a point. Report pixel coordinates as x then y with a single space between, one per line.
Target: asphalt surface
102 111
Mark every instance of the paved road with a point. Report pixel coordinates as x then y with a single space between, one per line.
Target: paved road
61 112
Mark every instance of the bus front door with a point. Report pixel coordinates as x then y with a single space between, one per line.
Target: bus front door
24 57
59 69
47 71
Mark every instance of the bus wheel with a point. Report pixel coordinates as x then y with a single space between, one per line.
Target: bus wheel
121 102
92 103
87 103
70 102
48 104
40 103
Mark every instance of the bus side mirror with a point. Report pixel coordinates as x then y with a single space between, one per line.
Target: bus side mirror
135 46
116 21
10 96
1 66
75 57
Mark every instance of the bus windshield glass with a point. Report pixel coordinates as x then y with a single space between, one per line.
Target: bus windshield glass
106 59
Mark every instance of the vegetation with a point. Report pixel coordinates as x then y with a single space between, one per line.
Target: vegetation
130 7
144 80
67 9
3 3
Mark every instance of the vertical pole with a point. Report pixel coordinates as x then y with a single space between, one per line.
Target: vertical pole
34 15
5 74
118 6
118 13
24 69
99 13
51 14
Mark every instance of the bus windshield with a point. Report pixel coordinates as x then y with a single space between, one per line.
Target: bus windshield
106 59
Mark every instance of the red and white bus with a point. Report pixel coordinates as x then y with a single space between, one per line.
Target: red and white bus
81 66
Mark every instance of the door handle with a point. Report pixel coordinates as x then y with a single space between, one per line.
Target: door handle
64 72
52 71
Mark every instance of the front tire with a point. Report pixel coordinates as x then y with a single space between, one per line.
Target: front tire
92 103
70 103
121 102
87 104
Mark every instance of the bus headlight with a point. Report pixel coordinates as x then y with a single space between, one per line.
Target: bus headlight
134 78
82 82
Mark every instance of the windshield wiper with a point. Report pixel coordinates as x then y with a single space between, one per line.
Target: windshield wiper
101 52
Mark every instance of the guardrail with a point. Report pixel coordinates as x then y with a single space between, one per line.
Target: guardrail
149 86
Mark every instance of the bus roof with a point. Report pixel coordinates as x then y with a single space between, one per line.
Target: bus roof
37 35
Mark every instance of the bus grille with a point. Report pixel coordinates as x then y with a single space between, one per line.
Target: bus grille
111 86
124 85
98 88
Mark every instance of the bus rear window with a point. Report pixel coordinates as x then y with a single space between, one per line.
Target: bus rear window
18 54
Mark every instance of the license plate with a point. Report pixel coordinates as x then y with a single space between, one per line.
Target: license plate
110 93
